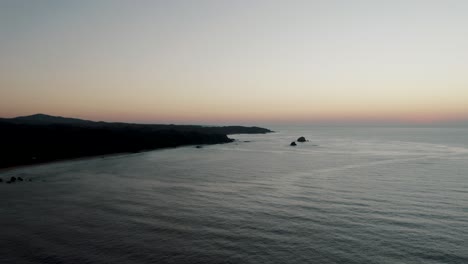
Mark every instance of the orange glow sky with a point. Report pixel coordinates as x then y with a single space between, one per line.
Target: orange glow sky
236 61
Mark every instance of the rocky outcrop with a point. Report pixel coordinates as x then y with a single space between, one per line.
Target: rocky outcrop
301 139
15 180
12 180
293 144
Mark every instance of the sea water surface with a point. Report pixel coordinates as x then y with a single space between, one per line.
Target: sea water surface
349 195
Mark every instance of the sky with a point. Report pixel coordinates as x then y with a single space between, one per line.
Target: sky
236 61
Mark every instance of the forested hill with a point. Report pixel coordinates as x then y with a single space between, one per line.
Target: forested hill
42 119
41 138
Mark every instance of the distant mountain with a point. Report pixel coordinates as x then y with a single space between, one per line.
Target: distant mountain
43 119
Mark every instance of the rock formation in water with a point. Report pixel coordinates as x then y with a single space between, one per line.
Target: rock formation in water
301 139
12 180
293 143
15 180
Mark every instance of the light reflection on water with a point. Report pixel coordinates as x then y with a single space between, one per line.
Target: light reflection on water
375 195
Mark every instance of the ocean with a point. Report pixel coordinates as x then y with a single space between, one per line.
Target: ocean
348 195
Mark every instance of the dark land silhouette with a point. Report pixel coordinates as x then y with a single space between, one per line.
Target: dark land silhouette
43 138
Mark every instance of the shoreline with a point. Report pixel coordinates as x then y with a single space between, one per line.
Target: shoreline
22 166
42 139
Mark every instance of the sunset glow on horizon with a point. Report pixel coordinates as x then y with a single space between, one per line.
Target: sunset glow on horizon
236 61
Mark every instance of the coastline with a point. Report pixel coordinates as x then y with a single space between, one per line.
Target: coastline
15 167
41 139
103 156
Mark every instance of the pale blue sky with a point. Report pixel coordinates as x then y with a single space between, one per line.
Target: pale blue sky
208 61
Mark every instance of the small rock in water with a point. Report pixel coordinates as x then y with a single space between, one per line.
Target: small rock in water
301 139
293 143
1 180
20 179
30 180
12 179
198 147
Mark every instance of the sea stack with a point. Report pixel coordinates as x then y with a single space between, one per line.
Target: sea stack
12 180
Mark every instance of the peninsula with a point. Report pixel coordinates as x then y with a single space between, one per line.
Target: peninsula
42 138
